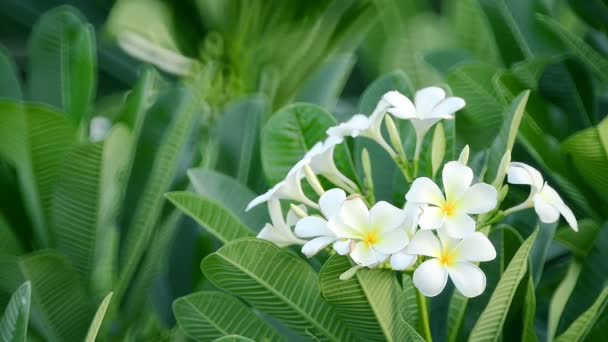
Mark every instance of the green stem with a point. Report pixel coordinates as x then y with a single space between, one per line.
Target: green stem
424 316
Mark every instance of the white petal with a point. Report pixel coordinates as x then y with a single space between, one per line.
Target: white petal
430 278
364 255
431 218
331 201
568 215
402 107
385 216
342 246
550 195
312 226
468 279
355 214
426 99
457 179
426 243
401 261
520 173
422 126
474 248
446 108
412 216
279 237
459 225
448 242
424 190
391 242
351 128
263 197
478 199
546 212
313 246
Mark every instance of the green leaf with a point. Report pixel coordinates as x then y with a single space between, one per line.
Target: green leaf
581 327
231 194
183 105
593 59
62 62
13 326
9 243
370 301
290 133
481 120
581 242
560 297
529 312
87 199
10 88
538 255
208 315
409 311
98 319
456 311
233 338
505 139
60 309
324 87
589 151
35 140
491 320
438 148
238 134
277 283
210 215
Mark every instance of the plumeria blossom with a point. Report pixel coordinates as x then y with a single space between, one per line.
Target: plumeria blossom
546 201
375 232
321 161
324 230
451 258
290 188
403 259
279 232
430 105
460 201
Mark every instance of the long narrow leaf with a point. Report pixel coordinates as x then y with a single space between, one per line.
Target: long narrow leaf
98 319
13 326
579 329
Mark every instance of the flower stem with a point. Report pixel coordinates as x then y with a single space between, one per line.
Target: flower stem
424 316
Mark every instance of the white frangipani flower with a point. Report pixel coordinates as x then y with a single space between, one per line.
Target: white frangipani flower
546 201
325 231
403 259
376 230
431 105
461 200
289 189
321 157
279 232
453 258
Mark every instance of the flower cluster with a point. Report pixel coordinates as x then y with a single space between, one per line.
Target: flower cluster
440 233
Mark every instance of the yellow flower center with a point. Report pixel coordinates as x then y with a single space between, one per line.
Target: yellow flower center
447 259
371 238
449 208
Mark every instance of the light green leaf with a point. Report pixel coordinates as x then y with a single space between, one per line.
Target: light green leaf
10 88
505 138
480 121
290 133
589 151
208 315
98 319
409 311
581 327
324 87
35 140
277 283
62 62
581 242
233 338
490 322
456 311
183 105
561 296
593 59
529 312
60 309
538 255
231 194
87 200
210 215
13 326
